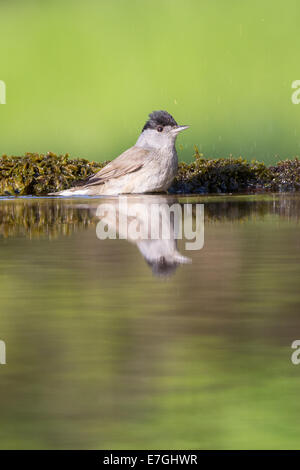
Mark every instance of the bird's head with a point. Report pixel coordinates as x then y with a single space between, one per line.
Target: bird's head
160 130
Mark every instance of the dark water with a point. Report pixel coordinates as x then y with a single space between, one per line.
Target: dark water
107 350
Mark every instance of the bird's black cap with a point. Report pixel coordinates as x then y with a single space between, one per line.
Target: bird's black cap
159 118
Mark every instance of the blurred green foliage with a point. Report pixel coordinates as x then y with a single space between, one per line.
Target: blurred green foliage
81 77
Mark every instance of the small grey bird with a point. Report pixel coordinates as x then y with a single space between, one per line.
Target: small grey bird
147 167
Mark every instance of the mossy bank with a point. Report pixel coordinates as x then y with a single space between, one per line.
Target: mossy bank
36 175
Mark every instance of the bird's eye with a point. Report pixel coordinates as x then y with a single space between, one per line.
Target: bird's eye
160 129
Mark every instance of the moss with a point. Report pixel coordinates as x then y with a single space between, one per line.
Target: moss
222 175
36 175
285 176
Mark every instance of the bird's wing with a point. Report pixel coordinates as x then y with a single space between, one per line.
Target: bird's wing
129 161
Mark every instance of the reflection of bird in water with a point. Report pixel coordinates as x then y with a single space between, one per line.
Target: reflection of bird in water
162 256
149 223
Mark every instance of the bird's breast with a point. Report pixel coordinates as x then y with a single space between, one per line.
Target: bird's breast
163 168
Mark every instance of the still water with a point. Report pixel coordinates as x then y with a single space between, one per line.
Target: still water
108 349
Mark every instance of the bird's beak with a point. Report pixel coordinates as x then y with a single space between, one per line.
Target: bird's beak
179 129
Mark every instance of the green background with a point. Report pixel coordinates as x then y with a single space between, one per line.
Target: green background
81 77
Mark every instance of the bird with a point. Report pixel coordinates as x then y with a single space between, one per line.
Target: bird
150 166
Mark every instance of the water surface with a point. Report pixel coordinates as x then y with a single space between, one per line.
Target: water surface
105 351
